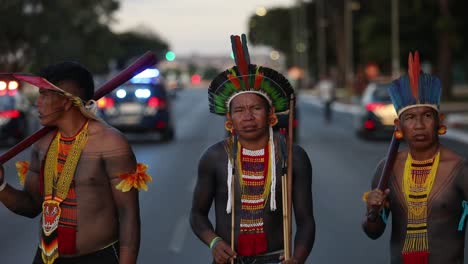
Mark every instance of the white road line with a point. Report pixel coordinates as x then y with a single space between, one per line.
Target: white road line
178 237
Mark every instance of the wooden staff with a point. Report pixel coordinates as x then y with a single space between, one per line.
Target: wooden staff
146 60
386 172
287 184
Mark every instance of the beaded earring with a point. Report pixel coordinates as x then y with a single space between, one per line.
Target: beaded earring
229 126
442 130
273 120
398 134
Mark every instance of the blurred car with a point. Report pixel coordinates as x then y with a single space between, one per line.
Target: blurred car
376 115
141 105
14 109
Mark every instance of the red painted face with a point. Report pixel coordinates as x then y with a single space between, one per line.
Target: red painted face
419 127
249 116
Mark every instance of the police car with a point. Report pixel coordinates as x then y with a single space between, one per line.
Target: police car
139 106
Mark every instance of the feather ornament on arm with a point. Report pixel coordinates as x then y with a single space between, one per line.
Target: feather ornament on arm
135 180
22 168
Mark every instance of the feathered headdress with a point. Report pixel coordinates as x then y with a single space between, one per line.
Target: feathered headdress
248 78
415 89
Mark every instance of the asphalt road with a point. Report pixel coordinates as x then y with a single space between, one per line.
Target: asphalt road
342 168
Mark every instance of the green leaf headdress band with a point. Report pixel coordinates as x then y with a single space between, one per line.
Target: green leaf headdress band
248 78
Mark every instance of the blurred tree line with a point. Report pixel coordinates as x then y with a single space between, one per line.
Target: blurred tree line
34 33
438 29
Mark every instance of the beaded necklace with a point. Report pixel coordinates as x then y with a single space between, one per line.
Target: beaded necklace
418 179
56 190
255 179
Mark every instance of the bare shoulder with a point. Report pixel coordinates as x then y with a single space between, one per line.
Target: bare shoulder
215 151
298 149
106 136
44 142
448 155
402 155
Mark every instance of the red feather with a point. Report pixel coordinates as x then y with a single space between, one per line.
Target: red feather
414 69
258 80
234 80
241 62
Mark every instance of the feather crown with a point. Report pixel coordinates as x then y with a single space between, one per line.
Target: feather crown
247 78
415 89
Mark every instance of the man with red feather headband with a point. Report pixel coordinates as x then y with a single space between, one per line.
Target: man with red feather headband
242 174
82 178
427 186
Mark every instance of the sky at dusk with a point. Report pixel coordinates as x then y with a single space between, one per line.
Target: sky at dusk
190 27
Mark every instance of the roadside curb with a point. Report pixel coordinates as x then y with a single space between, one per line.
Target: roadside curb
452 133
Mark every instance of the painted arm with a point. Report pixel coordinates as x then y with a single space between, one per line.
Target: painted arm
303 205
26 202
203 196
375 228
122 161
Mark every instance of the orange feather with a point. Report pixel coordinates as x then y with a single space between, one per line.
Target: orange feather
414 69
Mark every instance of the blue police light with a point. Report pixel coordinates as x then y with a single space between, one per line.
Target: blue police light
146 76
142 93
121 93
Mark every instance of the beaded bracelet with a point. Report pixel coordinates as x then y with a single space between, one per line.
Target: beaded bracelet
215 241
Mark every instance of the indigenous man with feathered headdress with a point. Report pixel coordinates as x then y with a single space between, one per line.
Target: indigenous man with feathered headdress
243 173
427 189
81 177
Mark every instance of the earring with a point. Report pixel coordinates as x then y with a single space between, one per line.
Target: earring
273 120
442 130
398 134
228 126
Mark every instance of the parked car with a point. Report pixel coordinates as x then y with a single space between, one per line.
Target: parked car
14 109
141 105
376 115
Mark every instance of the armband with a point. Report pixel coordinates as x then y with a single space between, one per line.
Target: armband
215 241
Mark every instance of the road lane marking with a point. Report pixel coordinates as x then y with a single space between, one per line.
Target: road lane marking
178 237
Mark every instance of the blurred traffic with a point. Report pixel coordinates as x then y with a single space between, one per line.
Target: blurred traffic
140 105
359 45
16 118
376 114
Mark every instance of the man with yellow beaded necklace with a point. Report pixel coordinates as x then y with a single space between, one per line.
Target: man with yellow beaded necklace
428 185
79 178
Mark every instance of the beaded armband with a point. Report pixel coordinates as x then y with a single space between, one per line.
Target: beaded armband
461 224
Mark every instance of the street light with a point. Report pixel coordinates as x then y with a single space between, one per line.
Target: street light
170 56
261 11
